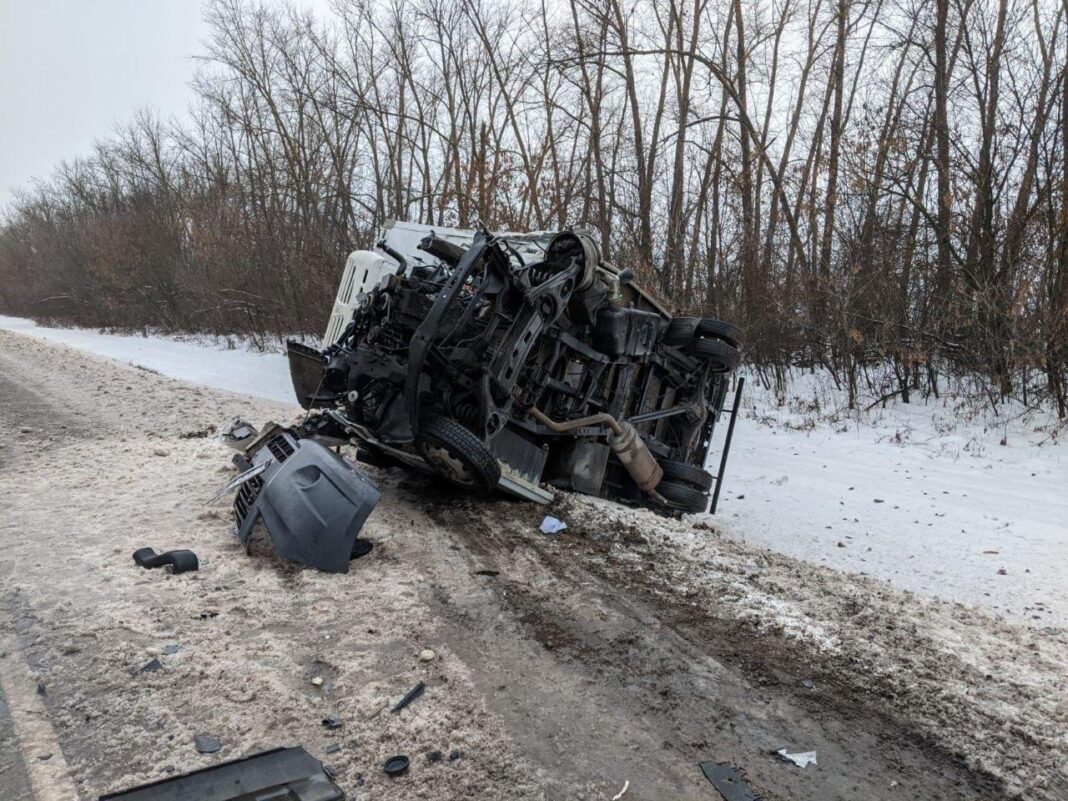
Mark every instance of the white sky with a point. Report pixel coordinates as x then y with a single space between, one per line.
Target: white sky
71 69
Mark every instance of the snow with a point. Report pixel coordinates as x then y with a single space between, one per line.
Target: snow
921 495
230 366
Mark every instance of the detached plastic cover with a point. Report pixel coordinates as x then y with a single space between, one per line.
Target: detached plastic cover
312 501
284 774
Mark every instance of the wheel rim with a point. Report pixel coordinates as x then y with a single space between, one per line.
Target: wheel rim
448 465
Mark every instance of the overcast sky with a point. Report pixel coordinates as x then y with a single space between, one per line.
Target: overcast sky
71 69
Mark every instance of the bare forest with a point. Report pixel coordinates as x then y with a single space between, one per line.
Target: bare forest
861 184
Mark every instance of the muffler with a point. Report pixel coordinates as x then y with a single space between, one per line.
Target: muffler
625 442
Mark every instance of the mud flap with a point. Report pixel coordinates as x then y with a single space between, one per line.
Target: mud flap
306 366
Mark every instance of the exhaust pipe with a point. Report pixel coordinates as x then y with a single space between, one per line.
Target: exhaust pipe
625 442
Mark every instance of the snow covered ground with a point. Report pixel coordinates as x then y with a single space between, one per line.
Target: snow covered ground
222 365
924 496
940 498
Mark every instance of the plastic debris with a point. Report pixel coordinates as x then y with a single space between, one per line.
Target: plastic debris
171 649
333 722
552 525
181 561
623 792
207 744
288 773
427 655
411 695
729 781
800 759
396 766
151 667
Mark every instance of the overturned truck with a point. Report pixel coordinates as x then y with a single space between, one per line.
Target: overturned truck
516 361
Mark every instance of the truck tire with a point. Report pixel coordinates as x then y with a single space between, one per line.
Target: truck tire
731 334
680 332
722 356
457 454
687 474
683 497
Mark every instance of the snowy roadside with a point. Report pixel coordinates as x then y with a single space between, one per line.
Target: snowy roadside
232 366
563 664
923 496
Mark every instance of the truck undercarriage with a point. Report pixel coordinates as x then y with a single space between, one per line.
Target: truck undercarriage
514 360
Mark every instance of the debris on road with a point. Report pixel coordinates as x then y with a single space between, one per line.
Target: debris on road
729 781
206 744
410 696
396 766
280 773
238 434
312 501
552 525
800 759
181 561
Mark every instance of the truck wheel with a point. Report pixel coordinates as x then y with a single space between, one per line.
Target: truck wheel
683 496
731 334
680 331
457 454
687 474
723 357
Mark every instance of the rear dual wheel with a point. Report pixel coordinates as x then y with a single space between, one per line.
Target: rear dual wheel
714 341
721 355
685 473
683 497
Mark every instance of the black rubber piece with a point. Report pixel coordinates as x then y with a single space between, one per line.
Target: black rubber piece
180 561
687 474
680 331
396 766
410 696
729 333
683 497
444 432
361 548
722 356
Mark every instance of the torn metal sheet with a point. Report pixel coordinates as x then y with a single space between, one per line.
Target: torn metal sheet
235 483
285 774
800 759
